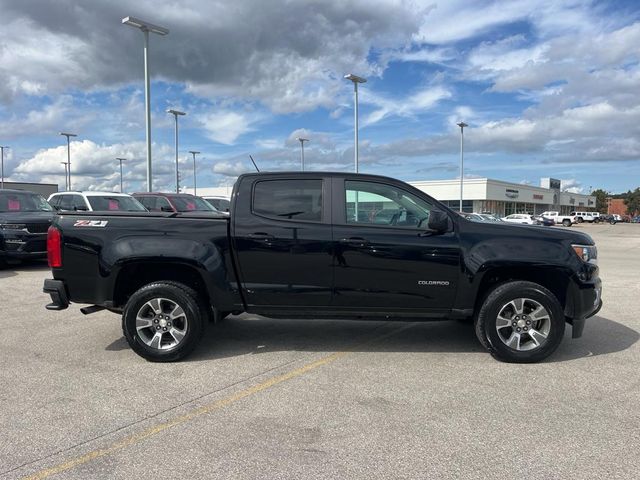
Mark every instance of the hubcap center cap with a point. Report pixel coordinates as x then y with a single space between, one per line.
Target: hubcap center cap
163 322
521 323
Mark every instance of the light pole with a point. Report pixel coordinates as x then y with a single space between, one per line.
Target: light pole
120 160
461 125
66 177
175 114
302 140
195 185
146 27
356 80
2 166
68 157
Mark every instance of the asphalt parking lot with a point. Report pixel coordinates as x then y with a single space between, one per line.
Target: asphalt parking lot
264 398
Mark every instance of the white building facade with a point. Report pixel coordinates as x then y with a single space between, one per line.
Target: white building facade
504 198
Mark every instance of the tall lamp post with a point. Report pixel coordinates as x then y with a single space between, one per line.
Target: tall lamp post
68 157
66 177
302 140
175 114
120 160
2 166
146 27
461 125
195 184
356 80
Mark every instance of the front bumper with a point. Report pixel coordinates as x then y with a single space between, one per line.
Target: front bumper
587 301
58 292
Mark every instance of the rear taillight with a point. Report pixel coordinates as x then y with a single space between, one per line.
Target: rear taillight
54 247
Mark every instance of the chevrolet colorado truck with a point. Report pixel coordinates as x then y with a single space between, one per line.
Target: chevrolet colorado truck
324 245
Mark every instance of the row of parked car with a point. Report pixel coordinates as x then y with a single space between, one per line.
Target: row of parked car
546 218
25 216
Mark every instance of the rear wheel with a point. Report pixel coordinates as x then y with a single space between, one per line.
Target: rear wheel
520 322
163 321
566 222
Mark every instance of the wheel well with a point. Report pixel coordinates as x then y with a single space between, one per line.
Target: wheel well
136 275
555 281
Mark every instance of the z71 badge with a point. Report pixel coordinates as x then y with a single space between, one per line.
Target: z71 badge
91 223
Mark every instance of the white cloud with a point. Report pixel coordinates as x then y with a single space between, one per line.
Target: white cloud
225 126
233 169
93 166
418 102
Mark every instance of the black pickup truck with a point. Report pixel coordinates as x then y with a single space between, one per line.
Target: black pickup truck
324 245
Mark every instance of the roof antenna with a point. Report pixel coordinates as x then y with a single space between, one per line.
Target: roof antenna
254 163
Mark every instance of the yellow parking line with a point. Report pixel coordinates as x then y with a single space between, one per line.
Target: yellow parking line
137 437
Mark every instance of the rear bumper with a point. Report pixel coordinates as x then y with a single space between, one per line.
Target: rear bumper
20 245
58 292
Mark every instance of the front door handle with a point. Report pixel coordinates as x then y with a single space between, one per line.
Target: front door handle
355 241
261 236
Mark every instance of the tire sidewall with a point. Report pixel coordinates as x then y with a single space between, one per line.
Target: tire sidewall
180 297
503 295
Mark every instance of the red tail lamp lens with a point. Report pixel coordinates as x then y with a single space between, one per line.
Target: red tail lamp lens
54 247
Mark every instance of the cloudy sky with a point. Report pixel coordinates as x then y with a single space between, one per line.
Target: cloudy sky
548 88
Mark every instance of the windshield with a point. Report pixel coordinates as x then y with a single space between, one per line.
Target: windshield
191 204
115 203
23 202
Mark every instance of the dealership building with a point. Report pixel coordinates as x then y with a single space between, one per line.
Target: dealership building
505 198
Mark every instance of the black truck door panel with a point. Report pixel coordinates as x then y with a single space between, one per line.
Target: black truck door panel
385 258
282 237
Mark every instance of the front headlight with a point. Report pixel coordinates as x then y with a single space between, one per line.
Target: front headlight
587 253
13 226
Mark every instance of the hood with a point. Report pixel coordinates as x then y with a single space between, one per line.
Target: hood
529 231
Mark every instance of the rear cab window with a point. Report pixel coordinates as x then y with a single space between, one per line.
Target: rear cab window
299 200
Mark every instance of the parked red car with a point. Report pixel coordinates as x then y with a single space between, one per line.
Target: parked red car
173 202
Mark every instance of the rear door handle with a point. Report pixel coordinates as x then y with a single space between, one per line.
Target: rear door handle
355 241
261 236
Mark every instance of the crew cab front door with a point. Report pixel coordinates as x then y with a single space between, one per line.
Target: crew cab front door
282 237
385 257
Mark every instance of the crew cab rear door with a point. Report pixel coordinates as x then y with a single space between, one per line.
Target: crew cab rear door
281 228
386 260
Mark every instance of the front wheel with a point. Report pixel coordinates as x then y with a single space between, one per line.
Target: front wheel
520 322
163 321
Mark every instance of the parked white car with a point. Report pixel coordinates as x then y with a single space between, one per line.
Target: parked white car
566 220
582 216
522 218
218 202
94 202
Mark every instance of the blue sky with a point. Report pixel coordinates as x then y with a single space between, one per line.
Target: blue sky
547 88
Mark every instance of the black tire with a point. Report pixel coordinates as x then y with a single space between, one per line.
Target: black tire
596 220
566 222
580 220
497 300
193 318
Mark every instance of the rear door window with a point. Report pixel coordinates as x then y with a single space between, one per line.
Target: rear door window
289 199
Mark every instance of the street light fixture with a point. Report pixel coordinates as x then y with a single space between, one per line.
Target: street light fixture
175 114
2 166
66 177
68 157
356 80
146 27
302 140
461 125
195 185
120 160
